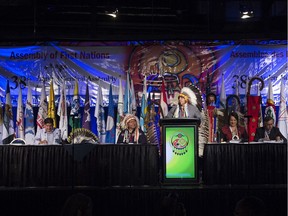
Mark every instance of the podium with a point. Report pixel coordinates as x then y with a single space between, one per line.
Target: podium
180 151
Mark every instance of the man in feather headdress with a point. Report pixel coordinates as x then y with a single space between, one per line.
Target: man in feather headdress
131 132
186 107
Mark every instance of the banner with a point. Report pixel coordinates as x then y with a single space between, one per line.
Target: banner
179 63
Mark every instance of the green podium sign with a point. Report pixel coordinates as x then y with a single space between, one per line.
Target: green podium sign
180 150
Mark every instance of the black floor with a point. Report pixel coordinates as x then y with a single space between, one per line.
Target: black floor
199 200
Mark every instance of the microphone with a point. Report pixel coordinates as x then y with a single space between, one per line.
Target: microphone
126 136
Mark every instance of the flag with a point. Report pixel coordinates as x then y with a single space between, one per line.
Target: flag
86 115
51 104
260 121
62 112
282 114
8 129
163 100
29 118
133 99
120 110
222 94
110 127
1 122
20 116
74 120
100 115
42 111
143 105
127 97
270 104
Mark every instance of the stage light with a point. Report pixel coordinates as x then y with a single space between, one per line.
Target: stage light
246 12
113 13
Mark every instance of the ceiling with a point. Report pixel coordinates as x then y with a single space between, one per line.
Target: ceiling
141 20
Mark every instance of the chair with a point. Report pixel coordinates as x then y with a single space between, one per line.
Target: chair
18 141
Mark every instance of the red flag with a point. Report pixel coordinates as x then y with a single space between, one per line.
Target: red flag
163 100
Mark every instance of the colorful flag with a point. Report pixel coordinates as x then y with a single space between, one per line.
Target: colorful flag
29 118
163 100
143 106
42 111
127 96
110 127
51 104
20 116
62 112
1 122
270 104
8 129
222 94
74 120
282 114
100 115
86 115
120 110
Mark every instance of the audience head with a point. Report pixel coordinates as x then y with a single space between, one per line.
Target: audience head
233 119
250 206
170 206
48 124
77 205
268 123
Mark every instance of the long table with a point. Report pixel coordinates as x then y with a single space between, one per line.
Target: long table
78 165
261 163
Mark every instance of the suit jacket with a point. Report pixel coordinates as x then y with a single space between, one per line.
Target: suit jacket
193 112
260 134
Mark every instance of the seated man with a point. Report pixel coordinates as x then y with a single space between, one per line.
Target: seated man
131 132
269 132
48 135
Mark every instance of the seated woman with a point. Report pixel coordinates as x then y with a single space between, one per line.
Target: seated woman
233 131
131 132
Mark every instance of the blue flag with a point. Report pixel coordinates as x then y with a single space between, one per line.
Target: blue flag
100 115
110 127
127 96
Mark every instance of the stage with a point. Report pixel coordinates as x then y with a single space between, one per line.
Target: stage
126 179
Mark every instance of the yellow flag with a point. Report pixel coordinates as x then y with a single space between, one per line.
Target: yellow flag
51 104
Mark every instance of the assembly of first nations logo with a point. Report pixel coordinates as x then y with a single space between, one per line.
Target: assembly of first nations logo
179 143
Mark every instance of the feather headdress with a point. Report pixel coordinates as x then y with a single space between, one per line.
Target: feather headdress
188 93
